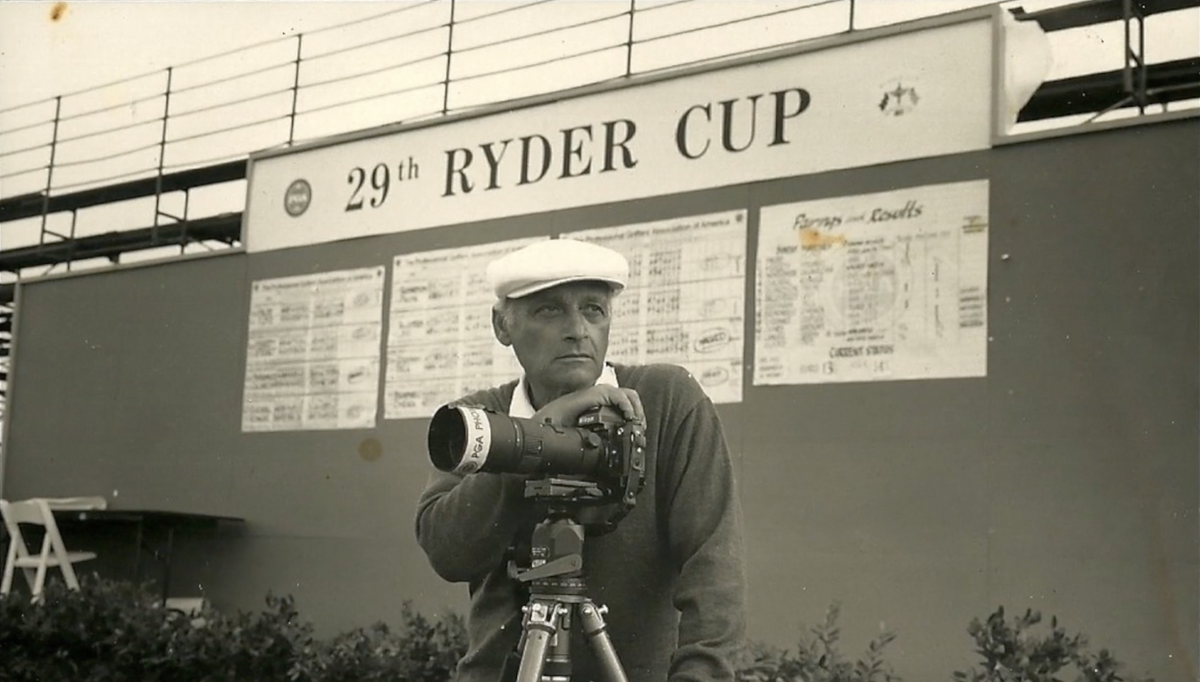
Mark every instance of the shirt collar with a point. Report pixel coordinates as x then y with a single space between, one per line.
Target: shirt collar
521 407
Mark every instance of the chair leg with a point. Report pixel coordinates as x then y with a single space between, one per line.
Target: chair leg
6 583
39 582
30 576
68 572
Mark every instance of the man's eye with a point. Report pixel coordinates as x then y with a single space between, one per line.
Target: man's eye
546 310
595 311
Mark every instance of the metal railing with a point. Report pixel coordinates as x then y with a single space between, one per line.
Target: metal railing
424 59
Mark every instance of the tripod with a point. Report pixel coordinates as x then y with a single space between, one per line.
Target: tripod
558 591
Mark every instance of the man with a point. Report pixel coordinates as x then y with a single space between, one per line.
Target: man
672 572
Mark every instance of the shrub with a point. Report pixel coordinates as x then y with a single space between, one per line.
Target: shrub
817 658
116 632
1012 653
422 650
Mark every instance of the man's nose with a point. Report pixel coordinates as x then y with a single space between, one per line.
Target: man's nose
575 326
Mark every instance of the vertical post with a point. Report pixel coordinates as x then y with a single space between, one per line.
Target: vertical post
71 243
162 157
1141 94
1126 76
187 197
50 169
852 15
295 89
629 41
449 56
1134 59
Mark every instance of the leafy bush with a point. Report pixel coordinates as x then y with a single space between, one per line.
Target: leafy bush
1011 653
116 632
817 658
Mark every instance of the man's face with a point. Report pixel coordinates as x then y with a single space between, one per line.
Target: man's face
559 335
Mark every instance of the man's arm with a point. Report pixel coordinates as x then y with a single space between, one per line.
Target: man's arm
705 531
466 523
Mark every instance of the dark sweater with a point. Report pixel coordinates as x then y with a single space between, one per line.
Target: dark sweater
671 574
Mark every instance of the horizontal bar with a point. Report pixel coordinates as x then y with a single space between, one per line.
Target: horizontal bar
664 5
239 126
23 207
26 105
326 107
26 172
401 65
225 227
236 50
127 126
98 159
202 163
731 22
109 84
372 43
544 62
111 107
27 126
22 150
175 115
1087 94
108 178
497 13
352 22
229 79
1091 12
505 41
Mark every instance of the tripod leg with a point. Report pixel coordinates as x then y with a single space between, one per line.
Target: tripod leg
595 629
539 628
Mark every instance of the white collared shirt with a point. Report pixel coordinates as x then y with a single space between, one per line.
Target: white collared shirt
522 408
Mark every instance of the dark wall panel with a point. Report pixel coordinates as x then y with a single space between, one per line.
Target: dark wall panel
1065 480
124 385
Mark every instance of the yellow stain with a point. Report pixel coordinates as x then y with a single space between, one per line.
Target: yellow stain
812 238
58 11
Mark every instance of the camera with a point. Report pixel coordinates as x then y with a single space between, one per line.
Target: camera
602 449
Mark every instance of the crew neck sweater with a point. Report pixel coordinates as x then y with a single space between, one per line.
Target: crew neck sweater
672 574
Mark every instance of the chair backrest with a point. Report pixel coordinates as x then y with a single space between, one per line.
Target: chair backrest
36 512
27 511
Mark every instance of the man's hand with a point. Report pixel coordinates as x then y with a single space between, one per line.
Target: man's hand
565 411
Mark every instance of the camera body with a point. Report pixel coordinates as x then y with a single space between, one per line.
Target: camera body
624 443
600 461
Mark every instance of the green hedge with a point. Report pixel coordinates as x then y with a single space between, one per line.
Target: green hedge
115 632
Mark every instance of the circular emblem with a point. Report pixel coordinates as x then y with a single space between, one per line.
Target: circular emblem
297 198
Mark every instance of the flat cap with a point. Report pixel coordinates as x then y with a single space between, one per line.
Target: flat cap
548 263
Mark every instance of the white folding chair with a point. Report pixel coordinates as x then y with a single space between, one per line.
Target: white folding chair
52 555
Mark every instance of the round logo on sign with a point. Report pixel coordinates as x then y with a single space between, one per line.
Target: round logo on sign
297 198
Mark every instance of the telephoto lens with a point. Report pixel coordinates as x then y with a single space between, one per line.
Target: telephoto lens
466 440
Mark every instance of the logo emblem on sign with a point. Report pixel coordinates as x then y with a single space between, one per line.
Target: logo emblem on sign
297 197
898 99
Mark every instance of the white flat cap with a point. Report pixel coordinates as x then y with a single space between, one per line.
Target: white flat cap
548 263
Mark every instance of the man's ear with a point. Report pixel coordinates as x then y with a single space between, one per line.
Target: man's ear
500 328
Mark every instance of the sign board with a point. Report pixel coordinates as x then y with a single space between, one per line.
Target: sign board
902 96
873 287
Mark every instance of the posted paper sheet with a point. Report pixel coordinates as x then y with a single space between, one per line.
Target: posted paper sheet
440 344
873 287
684 302
312 357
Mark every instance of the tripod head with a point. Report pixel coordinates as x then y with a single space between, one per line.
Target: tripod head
575 506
